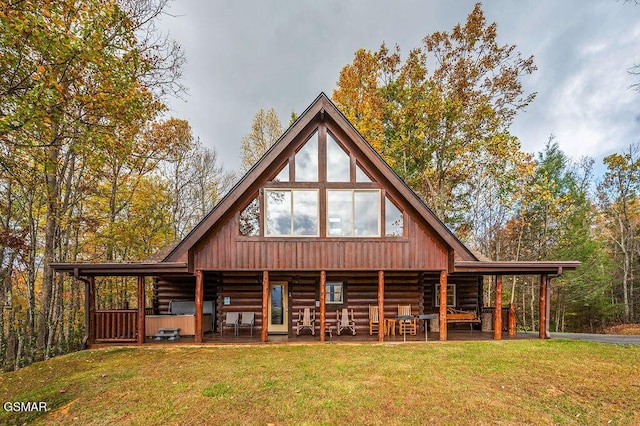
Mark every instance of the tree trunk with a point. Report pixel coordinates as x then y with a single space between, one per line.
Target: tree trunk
532 306
524 307
51 226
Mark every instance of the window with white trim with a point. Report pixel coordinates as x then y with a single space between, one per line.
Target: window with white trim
451 295
334 292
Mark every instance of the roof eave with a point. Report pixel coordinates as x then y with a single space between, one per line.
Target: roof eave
123 269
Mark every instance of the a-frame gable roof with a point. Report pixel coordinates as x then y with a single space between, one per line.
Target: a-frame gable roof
321 106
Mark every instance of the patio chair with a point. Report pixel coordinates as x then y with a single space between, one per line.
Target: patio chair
230 320
407 325
306 319
374 320
344 321
247 320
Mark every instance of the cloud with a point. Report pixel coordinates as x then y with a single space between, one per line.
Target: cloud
251 55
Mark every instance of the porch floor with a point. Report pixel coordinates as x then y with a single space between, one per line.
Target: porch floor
245 338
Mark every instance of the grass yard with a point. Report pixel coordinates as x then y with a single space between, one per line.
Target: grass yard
508 382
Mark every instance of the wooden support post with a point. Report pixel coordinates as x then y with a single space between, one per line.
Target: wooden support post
265 306
512 319
323 304
547 326
497 313
381 306
91 311
141 306
199 336
87 314
443 305
542 323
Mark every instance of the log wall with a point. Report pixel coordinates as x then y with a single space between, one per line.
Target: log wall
179 289
244 290
245 295
467 294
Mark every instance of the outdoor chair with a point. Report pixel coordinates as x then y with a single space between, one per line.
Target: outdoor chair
246 320
407 325
344 321
230 320
306 319
374 320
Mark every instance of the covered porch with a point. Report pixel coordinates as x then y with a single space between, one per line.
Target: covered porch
277 300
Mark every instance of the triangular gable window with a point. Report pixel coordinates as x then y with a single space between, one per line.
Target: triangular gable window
250 219
393 220
283 176
338 162
361 176
307 161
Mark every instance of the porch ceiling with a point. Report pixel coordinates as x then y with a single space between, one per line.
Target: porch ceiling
514 268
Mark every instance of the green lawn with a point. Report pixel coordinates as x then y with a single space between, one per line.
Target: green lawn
508 382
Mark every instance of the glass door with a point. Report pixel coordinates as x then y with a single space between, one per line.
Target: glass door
278 308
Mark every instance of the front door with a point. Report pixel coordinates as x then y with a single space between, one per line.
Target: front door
278 308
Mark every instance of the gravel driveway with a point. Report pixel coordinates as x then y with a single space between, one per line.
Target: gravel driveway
618 339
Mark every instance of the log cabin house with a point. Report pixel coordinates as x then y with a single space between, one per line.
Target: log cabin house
320 222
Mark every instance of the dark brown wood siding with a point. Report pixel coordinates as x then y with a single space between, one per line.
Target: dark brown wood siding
225 250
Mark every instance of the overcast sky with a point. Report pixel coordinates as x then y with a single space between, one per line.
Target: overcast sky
246 55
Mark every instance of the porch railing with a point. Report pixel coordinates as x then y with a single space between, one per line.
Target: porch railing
116 325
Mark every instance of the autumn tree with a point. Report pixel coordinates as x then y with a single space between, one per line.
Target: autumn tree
76 81
446 129
556 219
265 131
620 207
196 183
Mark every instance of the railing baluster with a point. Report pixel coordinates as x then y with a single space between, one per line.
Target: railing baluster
116 325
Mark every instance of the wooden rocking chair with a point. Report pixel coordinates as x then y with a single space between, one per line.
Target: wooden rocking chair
344 321
306 319
407 325
374 320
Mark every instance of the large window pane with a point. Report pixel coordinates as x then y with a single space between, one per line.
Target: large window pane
393 221
291 212
305 212
338 162
366 213
339 213
306 161
278 214
353 213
